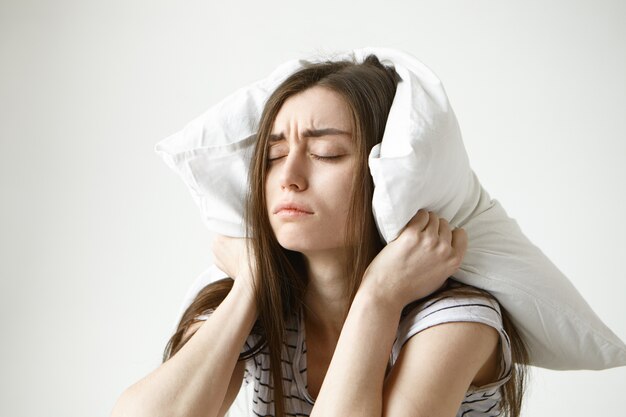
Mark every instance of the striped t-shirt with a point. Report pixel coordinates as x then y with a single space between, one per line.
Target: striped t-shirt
478 402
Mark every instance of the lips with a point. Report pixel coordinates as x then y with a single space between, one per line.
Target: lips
293 207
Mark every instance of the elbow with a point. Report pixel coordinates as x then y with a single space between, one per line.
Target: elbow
121 409
126 405
135 402
129 404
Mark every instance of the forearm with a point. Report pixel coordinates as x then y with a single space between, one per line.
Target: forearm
193 382
354 381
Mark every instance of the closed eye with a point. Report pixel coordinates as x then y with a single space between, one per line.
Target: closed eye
318 157
325 158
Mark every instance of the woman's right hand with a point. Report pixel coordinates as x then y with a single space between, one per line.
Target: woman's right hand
417 262
233 256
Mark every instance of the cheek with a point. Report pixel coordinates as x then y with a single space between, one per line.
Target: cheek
341 182
337 193
268 185
271 195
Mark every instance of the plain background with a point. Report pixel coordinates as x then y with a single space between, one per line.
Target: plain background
99 240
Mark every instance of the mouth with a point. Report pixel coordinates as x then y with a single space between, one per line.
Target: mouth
292 213
292 208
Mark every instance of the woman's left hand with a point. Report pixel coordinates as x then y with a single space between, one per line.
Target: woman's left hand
416 263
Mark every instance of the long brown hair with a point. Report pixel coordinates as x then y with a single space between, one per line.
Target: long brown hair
368 89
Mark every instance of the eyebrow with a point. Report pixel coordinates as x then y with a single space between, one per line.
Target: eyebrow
311 133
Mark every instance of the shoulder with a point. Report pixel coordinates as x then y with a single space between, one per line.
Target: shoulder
478 322
436 368
457 304
461 315
445 348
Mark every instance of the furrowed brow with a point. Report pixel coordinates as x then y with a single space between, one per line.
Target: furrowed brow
316 133
276 137
311 133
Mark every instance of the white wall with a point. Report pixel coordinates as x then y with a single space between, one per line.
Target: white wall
99 240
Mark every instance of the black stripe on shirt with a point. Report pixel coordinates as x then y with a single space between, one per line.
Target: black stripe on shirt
462 305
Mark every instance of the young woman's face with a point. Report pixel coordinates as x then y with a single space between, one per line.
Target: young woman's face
310 170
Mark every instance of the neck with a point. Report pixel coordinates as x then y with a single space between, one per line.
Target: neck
326 298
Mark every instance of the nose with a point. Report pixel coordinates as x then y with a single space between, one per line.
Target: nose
293 172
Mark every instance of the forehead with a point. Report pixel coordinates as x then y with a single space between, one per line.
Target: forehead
316 107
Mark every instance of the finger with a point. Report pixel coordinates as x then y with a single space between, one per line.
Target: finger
445 233
215 243
219 239
219 265
419 220
432 228
459 242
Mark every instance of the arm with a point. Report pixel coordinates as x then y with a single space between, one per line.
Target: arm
436 367
354 381
408 268
235 381
430 378
192 383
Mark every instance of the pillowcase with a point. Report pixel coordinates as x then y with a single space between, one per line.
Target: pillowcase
421 162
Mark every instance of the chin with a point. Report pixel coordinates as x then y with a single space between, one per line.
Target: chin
295 242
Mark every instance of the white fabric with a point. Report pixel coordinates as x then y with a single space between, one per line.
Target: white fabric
421 162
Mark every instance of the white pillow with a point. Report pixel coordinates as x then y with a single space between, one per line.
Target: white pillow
421 162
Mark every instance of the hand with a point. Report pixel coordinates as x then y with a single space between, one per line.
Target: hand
417 262
233 256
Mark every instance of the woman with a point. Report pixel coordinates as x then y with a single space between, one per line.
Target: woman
358 328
